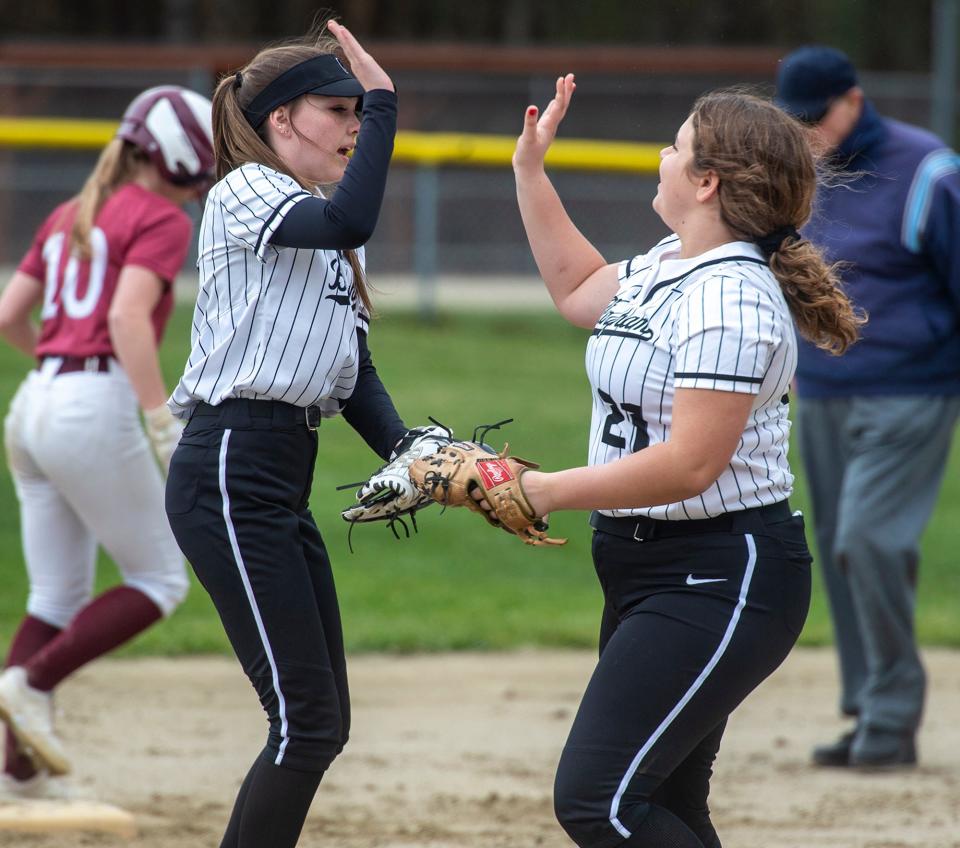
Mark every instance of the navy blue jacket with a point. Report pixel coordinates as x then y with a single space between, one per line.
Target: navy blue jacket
894 214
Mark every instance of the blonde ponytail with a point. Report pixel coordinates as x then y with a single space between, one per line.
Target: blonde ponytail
116 165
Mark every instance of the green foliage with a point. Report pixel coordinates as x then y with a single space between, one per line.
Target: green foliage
456 584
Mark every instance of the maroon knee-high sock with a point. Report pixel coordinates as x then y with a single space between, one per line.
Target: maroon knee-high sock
107 621
30 637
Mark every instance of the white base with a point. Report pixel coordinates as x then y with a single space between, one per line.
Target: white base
43 816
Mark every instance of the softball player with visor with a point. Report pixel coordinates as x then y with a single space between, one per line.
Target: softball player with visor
279 342
703 565
101 269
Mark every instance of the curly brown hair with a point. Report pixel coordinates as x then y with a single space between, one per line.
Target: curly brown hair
767 181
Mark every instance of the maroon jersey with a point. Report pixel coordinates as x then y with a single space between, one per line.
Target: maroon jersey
134 227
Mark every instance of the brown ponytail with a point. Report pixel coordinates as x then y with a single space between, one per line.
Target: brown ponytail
768 178
235 142
823 313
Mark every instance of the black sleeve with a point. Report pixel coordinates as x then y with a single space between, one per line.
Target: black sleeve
346 220
370 410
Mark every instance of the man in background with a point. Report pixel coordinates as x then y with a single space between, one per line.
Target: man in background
876 424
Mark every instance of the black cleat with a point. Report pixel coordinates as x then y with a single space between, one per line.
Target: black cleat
883 749
836 753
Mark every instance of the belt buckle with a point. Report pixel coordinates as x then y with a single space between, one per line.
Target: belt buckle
311 415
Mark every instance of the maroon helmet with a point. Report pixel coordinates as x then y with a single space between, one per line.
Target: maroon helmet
173 126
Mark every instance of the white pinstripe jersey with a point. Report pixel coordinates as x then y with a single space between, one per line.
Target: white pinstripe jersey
277 323
715 321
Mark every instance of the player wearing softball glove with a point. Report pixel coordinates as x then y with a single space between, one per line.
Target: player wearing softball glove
389 494
472 475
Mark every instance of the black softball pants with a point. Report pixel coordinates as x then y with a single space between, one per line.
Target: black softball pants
237 500
696 615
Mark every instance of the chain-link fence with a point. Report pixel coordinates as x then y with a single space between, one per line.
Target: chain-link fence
472 211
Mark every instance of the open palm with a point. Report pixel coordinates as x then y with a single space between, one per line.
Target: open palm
363 66
538 135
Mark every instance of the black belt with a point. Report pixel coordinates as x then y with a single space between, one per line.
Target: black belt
277 411
642 529
99 364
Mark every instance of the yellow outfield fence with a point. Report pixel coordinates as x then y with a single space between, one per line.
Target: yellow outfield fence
496 150
428 153
418 148
64 133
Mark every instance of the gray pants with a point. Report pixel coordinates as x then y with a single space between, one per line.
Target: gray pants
874 467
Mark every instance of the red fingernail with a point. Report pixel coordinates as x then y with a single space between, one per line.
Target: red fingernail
532 110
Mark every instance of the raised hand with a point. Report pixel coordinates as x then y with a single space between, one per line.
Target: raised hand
364 67
538 135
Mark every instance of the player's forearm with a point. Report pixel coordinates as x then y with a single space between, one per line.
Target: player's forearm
370 409
133 342
21 334
657 475
564 256
17 301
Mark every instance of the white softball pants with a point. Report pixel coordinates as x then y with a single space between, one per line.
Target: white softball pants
85 475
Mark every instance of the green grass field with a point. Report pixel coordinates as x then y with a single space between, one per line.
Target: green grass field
457 584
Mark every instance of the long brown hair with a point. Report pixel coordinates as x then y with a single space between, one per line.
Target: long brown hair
235 142
117 164
768 179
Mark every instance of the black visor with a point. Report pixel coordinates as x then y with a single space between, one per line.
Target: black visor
319 75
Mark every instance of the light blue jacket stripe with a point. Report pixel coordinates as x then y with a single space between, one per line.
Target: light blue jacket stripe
917 208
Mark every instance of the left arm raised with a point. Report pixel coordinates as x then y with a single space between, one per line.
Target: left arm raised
576 275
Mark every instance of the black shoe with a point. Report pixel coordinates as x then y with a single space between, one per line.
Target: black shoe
883 749
836 753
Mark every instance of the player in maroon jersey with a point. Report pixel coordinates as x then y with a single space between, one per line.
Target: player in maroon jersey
101 268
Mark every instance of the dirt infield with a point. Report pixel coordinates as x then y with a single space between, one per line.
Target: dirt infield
458 751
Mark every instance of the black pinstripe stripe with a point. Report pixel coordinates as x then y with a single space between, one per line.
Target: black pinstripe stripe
277 311
625 295
313 320
727 347
240 202
246 344
315 398
209 368
327 334
713 375
278 212
311 256
214 204
664 283
623 334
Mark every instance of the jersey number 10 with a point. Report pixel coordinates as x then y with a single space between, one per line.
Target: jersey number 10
73 305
